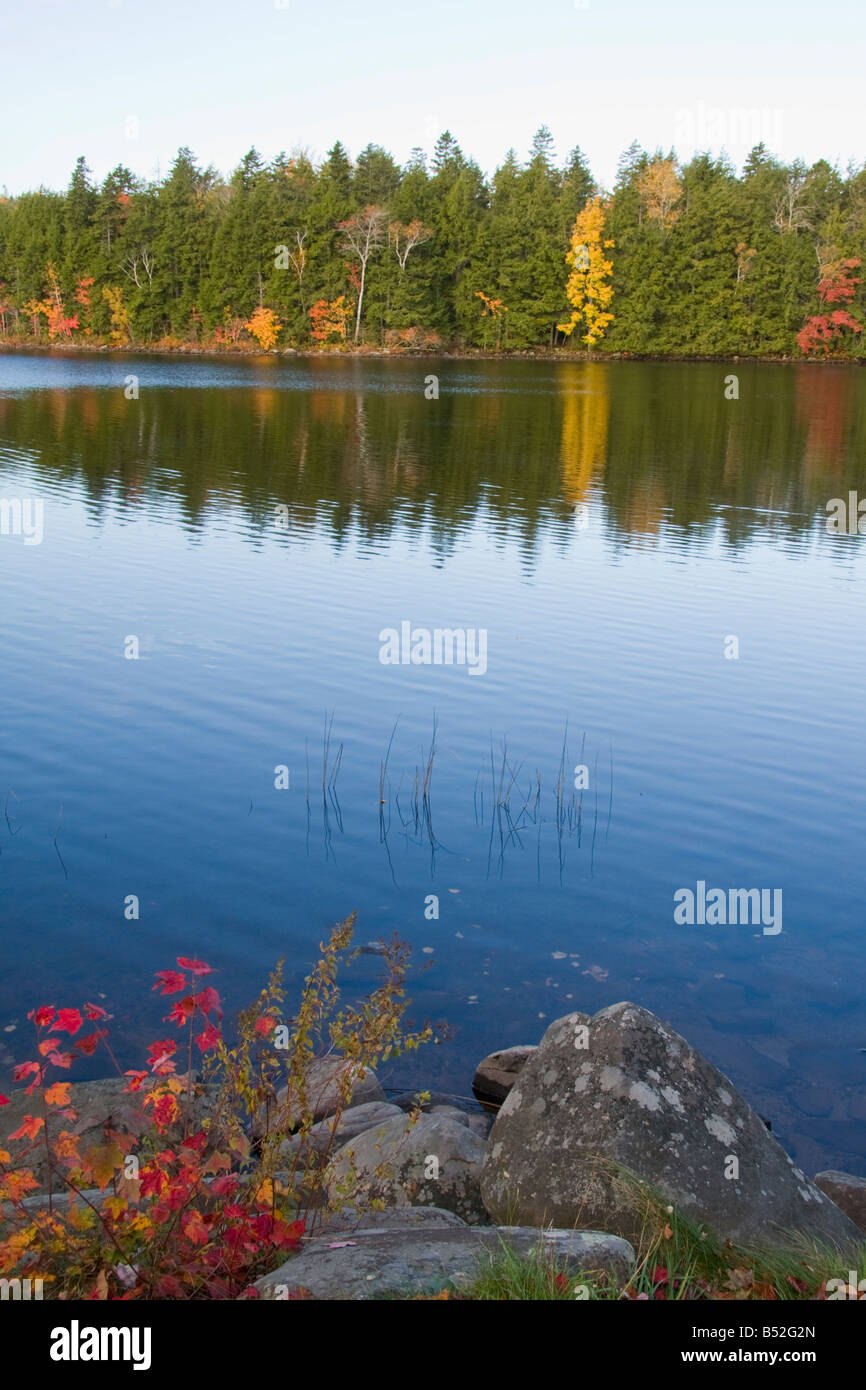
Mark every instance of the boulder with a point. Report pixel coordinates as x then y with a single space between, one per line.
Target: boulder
433 1162
373 1263
481 1123
460 1117
334 1133
497 1073
848 1192
621 1095
325 1076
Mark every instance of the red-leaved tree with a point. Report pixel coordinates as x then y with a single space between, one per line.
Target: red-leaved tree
837 285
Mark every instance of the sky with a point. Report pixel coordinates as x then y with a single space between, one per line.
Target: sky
129 81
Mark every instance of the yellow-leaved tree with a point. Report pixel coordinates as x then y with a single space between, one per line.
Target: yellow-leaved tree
264 326
588 288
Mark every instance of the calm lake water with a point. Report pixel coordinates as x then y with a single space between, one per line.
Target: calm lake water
255 525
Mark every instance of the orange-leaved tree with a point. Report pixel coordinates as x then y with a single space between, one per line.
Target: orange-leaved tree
329 319
588 289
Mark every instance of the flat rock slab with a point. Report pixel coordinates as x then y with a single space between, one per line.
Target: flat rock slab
385 1262
848 1192
340 1225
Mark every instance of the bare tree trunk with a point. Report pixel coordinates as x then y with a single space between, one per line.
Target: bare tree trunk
360 299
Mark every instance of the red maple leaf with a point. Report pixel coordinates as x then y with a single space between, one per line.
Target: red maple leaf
25 1069
194 1228
225 1186
208 1038
182 1011
42 1016
67 1021
196 967
171 980
159 1054
207 1000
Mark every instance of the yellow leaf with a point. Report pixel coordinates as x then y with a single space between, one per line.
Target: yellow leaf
80 1218
102 1162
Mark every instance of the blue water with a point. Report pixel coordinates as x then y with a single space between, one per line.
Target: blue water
609 527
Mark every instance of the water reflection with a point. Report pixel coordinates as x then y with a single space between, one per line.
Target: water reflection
653 446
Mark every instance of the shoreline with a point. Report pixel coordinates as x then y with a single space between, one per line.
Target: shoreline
403 354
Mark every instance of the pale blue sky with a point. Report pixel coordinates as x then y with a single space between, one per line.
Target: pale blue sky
124 81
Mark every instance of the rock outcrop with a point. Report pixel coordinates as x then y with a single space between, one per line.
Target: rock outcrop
623 1091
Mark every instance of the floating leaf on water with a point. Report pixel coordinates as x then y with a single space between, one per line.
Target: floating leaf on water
597 972
558 955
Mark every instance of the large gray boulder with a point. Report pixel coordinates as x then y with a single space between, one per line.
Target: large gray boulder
623 1091
497 1072
848 1192
434 1162
375 1262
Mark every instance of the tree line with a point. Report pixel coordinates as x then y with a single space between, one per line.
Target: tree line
678 258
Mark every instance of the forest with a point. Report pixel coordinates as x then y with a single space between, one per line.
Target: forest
685 259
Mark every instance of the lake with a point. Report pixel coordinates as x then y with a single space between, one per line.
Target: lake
671 695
